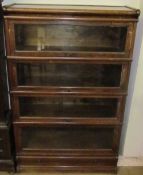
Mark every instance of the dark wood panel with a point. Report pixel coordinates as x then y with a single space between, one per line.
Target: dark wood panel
1 57
7 160
4 143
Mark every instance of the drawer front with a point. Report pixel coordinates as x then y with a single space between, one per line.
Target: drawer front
24 74
70 108
72 37
4 144
66 139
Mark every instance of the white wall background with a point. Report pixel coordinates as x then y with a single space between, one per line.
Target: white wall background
132 139
7 2
132 142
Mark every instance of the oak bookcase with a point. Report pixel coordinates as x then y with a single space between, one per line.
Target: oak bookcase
68 70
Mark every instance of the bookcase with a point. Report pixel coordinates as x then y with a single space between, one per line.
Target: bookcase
68 70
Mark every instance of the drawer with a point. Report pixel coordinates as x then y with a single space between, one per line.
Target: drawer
68 107
63 139
68 74
4 144
69 37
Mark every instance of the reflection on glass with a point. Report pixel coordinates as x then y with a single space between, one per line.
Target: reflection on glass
70 36
67 138
72 75
68 107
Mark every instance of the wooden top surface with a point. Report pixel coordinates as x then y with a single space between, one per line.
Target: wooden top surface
91 9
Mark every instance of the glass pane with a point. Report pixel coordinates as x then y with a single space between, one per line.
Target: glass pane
67 138
72 75
68 107
70 36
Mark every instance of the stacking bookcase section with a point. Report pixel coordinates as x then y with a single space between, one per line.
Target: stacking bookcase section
71 37
67 147
68 73
57 107
68 138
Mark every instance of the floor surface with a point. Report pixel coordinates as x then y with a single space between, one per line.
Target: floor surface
121 171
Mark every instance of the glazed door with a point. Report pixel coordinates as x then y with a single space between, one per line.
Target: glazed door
64 140
65 108
69 37
68 74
